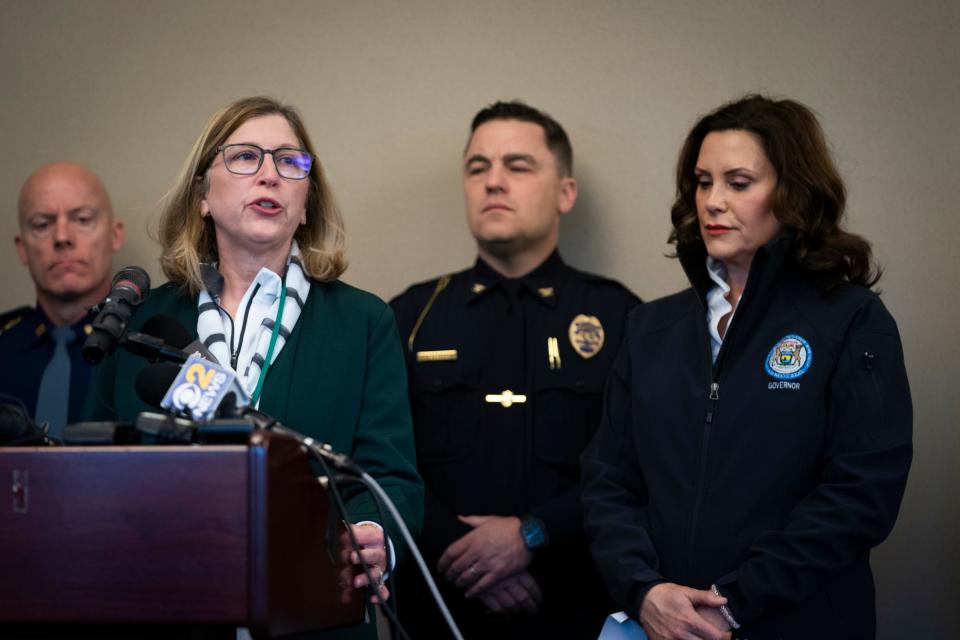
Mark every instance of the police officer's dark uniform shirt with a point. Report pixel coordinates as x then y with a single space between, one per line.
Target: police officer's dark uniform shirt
505 386
26 346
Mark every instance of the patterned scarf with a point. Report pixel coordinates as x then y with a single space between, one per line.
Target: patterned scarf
210 323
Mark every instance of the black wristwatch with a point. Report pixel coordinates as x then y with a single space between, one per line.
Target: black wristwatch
533 532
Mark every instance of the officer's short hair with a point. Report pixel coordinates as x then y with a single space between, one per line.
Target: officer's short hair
556 138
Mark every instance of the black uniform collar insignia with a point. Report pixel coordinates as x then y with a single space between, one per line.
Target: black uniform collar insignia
43 326
39 324
543 282
481 279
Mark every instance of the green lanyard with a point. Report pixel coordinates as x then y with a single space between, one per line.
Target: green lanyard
255 398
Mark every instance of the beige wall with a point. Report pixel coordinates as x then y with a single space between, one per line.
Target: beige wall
388 89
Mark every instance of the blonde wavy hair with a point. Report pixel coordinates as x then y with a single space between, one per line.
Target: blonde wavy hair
188 239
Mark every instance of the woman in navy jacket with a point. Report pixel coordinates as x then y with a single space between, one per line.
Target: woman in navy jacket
757 429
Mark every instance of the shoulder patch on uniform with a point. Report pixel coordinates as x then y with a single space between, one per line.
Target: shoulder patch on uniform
790 358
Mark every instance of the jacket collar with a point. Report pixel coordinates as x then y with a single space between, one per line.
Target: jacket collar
542 283
765 267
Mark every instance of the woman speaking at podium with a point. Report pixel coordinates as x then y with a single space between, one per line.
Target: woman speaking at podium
252 244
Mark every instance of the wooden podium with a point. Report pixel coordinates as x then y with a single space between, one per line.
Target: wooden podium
205 535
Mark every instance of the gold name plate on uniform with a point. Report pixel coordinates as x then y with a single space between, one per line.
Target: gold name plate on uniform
506 399
437 356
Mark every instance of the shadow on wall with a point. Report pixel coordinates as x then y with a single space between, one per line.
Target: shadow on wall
581 236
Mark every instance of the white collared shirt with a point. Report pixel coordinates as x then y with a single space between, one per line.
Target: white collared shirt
717 304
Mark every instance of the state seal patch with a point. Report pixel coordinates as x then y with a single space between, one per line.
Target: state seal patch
790 358
586 335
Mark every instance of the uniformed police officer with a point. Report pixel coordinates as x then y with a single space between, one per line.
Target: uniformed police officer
67 238
506 364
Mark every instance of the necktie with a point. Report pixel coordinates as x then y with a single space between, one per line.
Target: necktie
53 397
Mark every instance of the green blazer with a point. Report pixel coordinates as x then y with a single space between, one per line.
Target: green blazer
340 379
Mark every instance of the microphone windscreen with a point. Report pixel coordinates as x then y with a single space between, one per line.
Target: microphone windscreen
18 429
14 423
154 380
168 329
135 280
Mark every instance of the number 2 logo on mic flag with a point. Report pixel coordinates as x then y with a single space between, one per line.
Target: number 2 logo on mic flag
198 389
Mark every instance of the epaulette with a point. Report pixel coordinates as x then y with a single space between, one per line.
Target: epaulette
10 319
442 283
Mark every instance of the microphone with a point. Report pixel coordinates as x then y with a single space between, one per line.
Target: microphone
162 337
17 429
197 348
154 380
168 329
195 390
129 289
181 390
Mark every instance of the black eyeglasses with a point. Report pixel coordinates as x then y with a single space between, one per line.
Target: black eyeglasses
246 159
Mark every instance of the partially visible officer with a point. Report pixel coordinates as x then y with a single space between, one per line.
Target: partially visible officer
506 362
67 238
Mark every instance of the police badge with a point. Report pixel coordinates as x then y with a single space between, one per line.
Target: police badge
586 335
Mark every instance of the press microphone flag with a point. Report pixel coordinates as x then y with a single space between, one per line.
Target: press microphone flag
200 387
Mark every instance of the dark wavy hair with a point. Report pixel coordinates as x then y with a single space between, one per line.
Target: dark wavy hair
554 135
809 198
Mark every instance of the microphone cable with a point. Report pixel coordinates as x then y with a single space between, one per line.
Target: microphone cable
316 450
380 495
383 500
372 585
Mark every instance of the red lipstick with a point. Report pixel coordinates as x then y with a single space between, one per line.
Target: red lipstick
717 229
